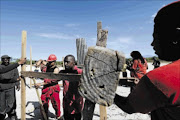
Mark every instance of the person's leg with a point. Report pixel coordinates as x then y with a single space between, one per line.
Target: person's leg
2 116
45 101
77 116
2 105
56 101
12 112
68 116
88 110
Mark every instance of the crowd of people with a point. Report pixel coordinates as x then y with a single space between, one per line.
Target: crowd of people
157 92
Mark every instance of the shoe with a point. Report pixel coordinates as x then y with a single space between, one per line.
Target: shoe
60 118
13 118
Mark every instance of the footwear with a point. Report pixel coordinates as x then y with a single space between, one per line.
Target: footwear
13 118
60 118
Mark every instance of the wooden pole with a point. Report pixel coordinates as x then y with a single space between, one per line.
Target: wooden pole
40 102
30 65
23 68
102 41
81 50
39 98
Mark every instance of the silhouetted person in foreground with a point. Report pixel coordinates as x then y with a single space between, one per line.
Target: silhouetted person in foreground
158 91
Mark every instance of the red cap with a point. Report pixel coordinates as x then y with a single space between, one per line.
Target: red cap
52 57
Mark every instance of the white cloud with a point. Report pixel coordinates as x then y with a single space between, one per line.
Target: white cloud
71 25
120 43
126 40
153 16
58 36
107 28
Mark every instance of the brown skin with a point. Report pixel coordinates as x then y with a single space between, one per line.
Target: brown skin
69 63
22 61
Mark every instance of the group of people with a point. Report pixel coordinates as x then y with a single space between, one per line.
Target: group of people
157 92
72 101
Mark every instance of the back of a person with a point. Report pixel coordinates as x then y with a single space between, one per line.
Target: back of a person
169 85
140 68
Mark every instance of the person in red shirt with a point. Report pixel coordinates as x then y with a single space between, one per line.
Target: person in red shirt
139 66
72 100
158 91
51 87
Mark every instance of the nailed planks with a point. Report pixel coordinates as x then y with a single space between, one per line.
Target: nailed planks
100 75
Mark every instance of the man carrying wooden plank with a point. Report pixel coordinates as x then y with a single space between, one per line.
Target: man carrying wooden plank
8 81
72 100
51 88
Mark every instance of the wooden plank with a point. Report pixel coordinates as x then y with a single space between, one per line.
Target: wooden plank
49 75
101 36
23 68
103 112
40 102
30 65
81 50
101 41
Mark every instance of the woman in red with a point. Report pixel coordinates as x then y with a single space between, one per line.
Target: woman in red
139 66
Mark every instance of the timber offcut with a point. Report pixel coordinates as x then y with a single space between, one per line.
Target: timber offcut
59 77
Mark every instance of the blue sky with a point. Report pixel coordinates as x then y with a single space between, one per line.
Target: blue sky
53 26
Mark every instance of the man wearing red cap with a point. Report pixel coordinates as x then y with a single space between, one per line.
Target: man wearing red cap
51 88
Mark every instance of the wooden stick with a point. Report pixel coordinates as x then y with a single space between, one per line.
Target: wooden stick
101 41
81 50
23 86
40 102
49 75
30 66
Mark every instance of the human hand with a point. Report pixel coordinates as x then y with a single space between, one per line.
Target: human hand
37 85
22 61
18 87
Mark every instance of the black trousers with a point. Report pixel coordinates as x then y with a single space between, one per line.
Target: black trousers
68 116
7 103
88 110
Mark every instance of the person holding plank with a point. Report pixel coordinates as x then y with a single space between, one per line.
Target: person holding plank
72 100
8 81
51 87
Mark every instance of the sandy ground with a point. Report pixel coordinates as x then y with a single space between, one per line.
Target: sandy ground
113 112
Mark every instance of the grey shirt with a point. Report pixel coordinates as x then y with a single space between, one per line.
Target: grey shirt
8 79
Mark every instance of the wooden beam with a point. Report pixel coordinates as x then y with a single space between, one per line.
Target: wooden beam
101 36
49 75
81 50
30 65
23 68
102 41
40 101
